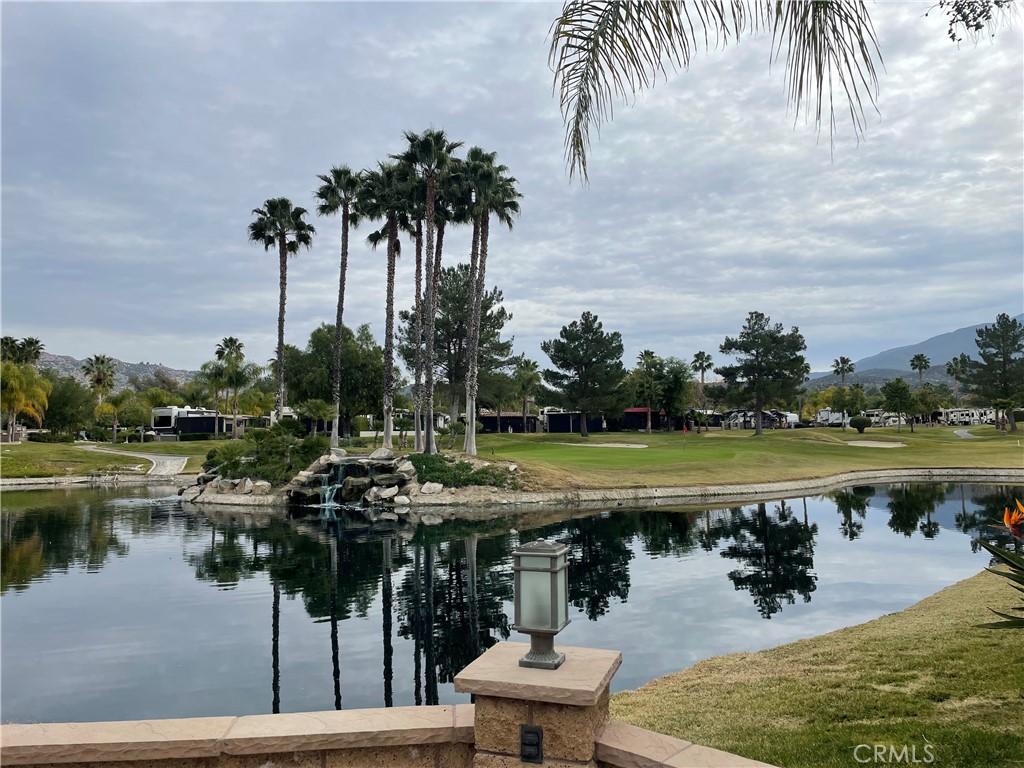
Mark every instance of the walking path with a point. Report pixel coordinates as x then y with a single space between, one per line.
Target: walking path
964 433
162 463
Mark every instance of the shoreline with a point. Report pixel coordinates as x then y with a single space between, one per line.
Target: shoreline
457 502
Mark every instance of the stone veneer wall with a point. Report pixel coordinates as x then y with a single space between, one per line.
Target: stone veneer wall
399 737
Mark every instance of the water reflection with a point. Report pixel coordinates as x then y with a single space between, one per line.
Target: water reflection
403 611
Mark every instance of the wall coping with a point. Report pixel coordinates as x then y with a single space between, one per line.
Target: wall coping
579 682
621 745
197 737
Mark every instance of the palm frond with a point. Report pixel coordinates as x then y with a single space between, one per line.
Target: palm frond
607 51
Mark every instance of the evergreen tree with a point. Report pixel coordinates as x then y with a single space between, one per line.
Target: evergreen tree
589 366
999 375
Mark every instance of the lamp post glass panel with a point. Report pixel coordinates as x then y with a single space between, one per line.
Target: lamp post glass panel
541 600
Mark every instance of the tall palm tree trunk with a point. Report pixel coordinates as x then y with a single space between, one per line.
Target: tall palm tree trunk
335 656
336 368
468 444
417 387
275 645
283 293
389 332
472 374
430 301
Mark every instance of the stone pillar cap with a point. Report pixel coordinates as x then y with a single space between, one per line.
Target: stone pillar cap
579 682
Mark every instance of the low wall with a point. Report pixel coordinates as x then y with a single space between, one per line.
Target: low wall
399 737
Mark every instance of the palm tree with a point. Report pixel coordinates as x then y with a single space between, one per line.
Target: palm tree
527 380
280 224
214 373
99 372
381 196
842 367
958 368
920 363
338 192
430 153
493 192
702 363
9 349
22 391
315 410
29 350
229 348
647 366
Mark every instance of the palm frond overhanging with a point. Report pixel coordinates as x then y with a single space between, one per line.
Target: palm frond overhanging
606 51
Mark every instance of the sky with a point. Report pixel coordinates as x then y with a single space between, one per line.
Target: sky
138 137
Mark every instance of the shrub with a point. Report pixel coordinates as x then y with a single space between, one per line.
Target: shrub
49 437
860 423
437 468
308 451
195 436
360 424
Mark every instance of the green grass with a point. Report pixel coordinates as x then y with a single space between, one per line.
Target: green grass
60 459
925 675
675 459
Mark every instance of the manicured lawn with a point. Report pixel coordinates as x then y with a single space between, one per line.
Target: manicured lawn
923 676
675 459
196 450
59 459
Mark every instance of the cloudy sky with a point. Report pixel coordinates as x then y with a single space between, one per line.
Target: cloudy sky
138 137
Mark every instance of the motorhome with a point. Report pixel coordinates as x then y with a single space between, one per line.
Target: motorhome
966 417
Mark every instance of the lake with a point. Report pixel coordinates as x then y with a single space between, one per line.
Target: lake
119 604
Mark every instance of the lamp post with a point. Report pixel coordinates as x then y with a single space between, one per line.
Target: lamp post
541 600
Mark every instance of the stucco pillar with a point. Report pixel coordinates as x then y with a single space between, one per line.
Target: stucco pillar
569 704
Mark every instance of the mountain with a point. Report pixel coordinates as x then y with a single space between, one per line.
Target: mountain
880 368
69 366
939 349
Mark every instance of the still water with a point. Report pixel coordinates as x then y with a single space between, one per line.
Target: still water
122 605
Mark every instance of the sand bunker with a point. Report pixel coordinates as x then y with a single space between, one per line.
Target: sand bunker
606 445
875 444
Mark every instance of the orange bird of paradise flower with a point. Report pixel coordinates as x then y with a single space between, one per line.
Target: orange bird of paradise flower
1014 519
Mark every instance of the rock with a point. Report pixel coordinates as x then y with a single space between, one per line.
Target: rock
513 467
190 493
382 454
372 495
402 500
388 493
389 516
306 493
224 485
353 488
428 488
338 453
388 480
406 469
206 477
261 488
245 486
431 520
336 459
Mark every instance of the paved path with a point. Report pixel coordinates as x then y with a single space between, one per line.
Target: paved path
964 433
162 463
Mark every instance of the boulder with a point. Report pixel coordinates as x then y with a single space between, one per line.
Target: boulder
406 469
245 486
224 485
382 454
431 520
388 493
339 457
513 467
372 495
402 500
261 488
206 477
391 517
307 494
190 493
303 474
387 480
428 488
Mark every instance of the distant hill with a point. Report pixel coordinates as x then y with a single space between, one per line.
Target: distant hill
69 366
877 369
